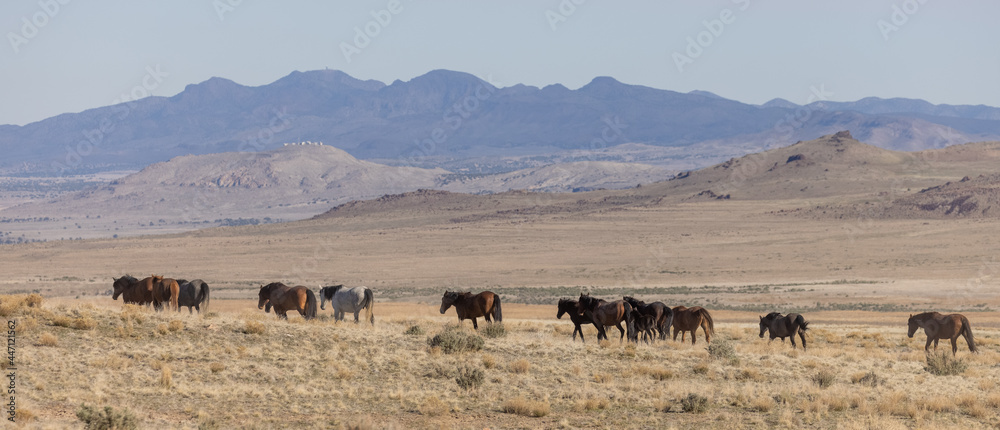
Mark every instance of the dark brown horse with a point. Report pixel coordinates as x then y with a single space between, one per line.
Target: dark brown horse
689 319
284 298
567 306
132 290
784 326
165 290
937 326
606 314
469 306
661 313
193 294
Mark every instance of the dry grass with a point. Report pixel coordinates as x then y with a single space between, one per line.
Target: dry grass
525 379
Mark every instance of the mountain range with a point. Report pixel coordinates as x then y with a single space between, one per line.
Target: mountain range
462 123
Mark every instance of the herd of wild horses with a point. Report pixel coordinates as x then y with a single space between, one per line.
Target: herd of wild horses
651 321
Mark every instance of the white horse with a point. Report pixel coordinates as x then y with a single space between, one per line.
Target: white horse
348 300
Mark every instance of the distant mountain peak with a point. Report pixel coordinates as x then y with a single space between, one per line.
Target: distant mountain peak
708 94
780 103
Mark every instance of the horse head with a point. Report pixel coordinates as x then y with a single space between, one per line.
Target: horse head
264 297
565 306
912 325
763 326
448 299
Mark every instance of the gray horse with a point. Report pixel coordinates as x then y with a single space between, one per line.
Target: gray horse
348 300
193 293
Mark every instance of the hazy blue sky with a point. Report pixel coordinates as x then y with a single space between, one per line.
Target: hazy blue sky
85 54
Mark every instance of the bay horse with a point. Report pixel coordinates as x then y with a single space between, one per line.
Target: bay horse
348 300
689 319
784 326
606 314
661 313
567 306
193 294
165 290
284 298
132 290
937 326
469 306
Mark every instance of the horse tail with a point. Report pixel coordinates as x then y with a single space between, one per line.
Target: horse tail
630 322
310 304
967 331
708 317
497 312
370 304
203 296
803 324
667 322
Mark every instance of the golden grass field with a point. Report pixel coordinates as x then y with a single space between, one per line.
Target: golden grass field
237 367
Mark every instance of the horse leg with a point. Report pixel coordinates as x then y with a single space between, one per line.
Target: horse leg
356 315
954 344
704 326
928 346
802 335
622 337
791 337
474 325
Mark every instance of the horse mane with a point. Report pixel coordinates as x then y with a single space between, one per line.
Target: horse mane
274 285
129 278
329 291
773 315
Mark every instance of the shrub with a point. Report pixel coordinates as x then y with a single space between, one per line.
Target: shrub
48 339
254 327
414 330
824 378
454 340
433 406
489 361
166 377
520 366
106 419
694 403
84 323
722 350
470 377
942 364
870 379
216 367
493 330
521 406
176 325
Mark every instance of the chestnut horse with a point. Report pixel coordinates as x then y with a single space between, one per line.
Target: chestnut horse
284 298
468 306
132 290
607 314
663 316
571 307
784 326
686 320
165 290
937 326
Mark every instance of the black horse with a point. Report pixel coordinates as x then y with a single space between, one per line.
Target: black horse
784 326
193 294
645 325
567 306
662 315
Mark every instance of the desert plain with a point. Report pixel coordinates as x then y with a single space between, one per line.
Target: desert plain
824 235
